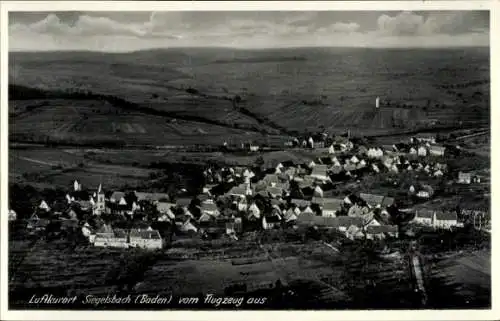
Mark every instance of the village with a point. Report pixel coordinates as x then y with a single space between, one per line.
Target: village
235 200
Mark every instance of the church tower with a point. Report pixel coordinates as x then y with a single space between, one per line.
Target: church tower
100 204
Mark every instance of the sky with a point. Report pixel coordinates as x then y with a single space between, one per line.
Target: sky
130 31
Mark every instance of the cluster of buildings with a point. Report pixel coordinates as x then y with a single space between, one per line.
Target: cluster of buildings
236 199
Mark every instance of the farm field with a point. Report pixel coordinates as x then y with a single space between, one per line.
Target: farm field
333 88
92 122
314 271
56 167
463 280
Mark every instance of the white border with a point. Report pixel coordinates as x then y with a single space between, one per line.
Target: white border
493 6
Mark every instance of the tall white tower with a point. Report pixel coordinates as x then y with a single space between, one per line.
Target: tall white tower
100 204
377 102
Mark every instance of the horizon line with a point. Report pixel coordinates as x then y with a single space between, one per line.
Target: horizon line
251 49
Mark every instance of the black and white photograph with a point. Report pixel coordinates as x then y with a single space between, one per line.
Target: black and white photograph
222 160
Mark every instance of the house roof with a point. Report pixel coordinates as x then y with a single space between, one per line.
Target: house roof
182 202
271 178
205 206
274 190
446 216
237 190
325 200
464 175
424 213
145 234
155 197
300 202
388 201
120 233
376 229
273 219
333 206
372 199
117 196
437 148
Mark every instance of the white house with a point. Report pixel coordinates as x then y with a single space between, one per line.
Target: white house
422 151
44 206
413 151
437 150
438 173
111 238
425 217
310 141
464 178
253 212
445 220
318 192
146 239
423 194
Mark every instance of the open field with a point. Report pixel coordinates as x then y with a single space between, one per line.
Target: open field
463 280
317 274
333 88
56 167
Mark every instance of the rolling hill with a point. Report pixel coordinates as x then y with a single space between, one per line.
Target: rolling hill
178 95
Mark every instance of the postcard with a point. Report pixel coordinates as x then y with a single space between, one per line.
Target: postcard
187 160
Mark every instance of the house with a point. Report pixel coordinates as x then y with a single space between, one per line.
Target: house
413 151
271 180
253 212
380 231
116 197
464 178
275 192
146 239
108 237
289 216
44 206
210 208
425 138
337 169
422 151
425 217
254 148
300 203
240 191
354 159
388 201
445 219
372 200
271 222
331 208
187 227
435 150
375 168
164 207
362 150
318 192
438 173
183 202
423 194
411 189
319 172
361 164
152 197
77 186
